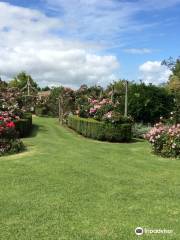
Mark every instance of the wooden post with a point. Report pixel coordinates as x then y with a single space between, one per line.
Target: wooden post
59 108
126 99
112 94
28 86
101 92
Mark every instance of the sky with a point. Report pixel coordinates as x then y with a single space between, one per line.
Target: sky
91 42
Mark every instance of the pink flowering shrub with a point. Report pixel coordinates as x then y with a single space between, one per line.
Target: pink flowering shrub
165 139
94 108
9 141
116 118
103 110
98 108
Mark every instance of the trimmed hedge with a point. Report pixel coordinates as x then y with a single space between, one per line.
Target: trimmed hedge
101 130
24 126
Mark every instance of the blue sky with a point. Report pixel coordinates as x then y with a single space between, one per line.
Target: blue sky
123 39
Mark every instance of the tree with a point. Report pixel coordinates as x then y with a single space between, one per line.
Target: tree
21 79
67 103
174 83
174 79
170 63
147 103
95 92
49 106
46 88
116 91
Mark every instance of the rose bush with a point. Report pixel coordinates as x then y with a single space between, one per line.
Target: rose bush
165 139
9 141
102 110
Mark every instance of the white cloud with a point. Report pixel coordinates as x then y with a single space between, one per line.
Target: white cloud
138 50
28 42
107 21
154 72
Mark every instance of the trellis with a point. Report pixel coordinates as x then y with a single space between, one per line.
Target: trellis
29 89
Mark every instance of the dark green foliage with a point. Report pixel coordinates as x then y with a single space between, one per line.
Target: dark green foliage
11 146
51 107
173 84
92 92
116 91
101 130
173 65
21 79
87 127
140 129
46 88
84 111
3 85
118 132
17 146
104 109
53 101
41 110
24 126
148 103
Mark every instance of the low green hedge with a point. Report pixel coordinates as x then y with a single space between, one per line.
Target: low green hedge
101 130
24 126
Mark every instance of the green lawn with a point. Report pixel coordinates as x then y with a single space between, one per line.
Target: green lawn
68 187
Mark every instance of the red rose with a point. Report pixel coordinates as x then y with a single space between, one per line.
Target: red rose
10 125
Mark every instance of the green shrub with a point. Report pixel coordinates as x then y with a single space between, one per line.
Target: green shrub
118 132
41 111
24 126
139 130
100 130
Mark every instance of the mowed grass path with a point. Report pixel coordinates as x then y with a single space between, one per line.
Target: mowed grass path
67 187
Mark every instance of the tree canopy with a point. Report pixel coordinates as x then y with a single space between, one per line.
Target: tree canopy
21 79
174 83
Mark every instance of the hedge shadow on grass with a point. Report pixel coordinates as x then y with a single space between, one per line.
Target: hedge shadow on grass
36 129
134 140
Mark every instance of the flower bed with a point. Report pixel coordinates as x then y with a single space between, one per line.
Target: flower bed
114 132
9 141
165 140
